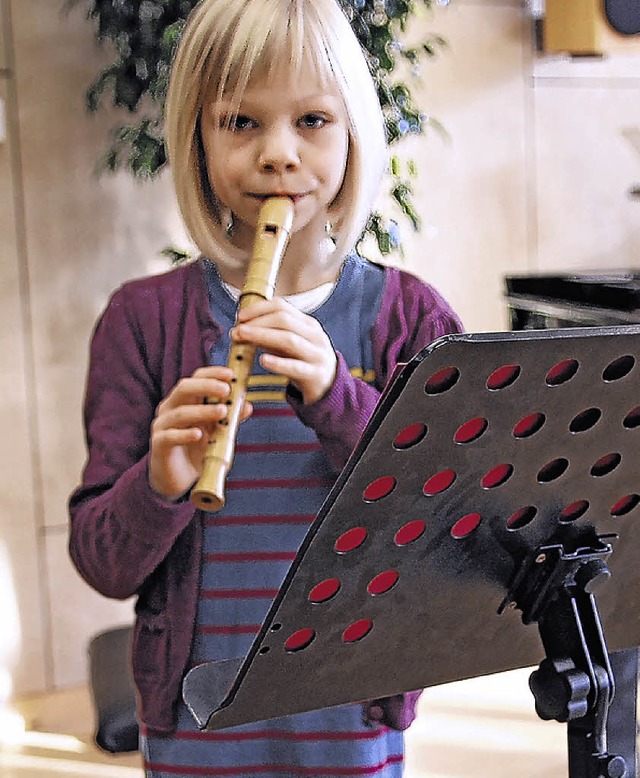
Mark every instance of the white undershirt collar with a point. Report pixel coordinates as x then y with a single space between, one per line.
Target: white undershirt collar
303 301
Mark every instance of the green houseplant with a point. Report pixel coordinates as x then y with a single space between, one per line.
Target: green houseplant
144 33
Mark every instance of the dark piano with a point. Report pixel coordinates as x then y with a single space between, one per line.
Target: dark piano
586 299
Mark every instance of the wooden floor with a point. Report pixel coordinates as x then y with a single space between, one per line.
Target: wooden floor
482 728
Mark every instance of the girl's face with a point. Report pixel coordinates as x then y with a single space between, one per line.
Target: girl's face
290 137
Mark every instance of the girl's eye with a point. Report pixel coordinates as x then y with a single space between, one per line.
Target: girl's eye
237 123
313 121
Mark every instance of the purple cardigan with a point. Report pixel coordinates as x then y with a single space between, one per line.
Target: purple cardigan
124 539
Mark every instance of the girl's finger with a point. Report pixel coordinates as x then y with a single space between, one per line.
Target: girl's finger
275 341
169 438
184 416
193 390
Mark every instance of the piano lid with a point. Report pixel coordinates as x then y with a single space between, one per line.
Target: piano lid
614 289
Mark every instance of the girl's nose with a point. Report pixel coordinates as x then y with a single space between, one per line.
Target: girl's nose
279 152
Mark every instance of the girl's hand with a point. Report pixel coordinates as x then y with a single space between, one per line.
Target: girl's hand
181 428
294 343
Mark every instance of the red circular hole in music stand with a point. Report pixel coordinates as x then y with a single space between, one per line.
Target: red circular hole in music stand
497 476
299 640
552 470
606 464
522 517
357 631
442 380
324 590
350 540
383 582
410 532
410 436
471 430
632 419
465 526
502 377
562 372
619 368
585 420
625 504
439 482
574 511
529 425
379 488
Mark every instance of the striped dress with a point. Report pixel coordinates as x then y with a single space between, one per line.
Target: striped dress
278 482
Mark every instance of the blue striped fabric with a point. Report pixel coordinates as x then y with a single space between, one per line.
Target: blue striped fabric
276 486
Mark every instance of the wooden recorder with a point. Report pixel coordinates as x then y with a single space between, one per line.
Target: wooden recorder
272 235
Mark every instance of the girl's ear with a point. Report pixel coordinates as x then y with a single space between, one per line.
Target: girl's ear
228 220
336 213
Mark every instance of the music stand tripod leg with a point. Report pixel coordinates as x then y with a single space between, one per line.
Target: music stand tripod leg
574 684
622 721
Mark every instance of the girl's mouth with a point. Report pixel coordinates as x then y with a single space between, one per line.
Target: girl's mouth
294 197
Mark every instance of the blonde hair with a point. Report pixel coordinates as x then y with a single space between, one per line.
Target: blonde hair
224 44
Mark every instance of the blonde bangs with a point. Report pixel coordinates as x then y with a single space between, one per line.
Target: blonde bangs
268 37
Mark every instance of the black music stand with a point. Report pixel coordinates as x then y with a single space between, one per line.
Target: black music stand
499 473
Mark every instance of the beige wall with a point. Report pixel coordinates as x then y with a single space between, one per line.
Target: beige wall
68 240
534 177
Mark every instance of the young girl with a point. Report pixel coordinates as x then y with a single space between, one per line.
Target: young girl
267 97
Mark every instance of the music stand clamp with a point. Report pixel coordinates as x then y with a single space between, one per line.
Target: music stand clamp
494 463
574 683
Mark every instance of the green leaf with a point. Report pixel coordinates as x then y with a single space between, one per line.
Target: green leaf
176 255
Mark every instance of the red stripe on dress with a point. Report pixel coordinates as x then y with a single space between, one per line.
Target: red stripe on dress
234 521
269 448
235 594
266 412
269 768
256 556
279 483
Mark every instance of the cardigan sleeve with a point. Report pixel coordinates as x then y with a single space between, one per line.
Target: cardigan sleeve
412 314
120 529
